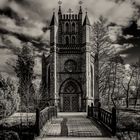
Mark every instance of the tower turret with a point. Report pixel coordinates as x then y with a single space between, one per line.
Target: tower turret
87 57
80 13
86 29
53 30
86 21
59 10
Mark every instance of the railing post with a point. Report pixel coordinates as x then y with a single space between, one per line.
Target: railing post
91 110
37 122
48 114
113 121
56 111
88 114
99 111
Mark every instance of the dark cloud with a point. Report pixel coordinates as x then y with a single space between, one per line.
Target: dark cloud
118 11
9 13
133 50
132 55
23 21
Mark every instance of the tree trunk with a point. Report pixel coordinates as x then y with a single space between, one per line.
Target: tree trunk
96 63
136 98
127 100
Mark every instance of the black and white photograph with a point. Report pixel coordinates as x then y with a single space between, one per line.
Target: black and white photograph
69 69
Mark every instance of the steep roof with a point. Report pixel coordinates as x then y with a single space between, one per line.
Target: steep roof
86 21
53 21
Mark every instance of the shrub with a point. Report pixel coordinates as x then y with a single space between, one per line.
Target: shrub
9 135
9 99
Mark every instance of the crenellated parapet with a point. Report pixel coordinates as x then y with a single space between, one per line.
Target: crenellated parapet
70 17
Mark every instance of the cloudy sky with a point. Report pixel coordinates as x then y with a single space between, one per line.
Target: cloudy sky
22 20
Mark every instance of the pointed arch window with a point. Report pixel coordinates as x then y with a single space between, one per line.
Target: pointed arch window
67 40
73 27
67 27
73 40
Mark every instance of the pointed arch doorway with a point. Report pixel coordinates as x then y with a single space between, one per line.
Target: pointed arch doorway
70 96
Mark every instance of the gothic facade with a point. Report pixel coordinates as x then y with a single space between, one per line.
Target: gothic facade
68 71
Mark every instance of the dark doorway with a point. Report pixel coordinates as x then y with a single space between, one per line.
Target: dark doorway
70 96
70 103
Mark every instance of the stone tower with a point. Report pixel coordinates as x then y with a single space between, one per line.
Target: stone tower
69 69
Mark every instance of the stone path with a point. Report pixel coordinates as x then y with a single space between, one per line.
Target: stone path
76 138
72 125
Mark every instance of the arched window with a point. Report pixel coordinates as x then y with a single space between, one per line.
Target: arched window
67 27
92 82
73 27
67 40
73 40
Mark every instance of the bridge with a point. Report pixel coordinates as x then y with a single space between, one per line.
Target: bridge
97 124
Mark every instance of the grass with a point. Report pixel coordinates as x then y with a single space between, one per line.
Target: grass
129 120
17 119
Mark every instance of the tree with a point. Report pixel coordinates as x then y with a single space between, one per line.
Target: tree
115 80
109 66
38 94
102 50
136 81
131 83
9 99
25 72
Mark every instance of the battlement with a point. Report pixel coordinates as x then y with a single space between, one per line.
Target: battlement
70 17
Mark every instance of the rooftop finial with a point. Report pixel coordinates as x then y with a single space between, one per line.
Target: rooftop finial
60 2
53 10
80 2
86 10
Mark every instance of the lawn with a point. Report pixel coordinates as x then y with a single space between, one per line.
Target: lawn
128 124
17 119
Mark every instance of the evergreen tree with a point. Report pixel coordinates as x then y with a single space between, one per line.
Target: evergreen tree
25 72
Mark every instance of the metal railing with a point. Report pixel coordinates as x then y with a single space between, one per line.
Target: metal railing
108 119
43 116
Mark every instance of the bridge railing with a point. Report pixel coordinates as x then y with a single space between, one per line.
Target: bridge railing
43 116
108 119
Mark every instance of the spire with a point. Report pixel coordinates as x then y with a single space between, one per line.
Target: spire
86 20
59 11
53 21
80 11
80 3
